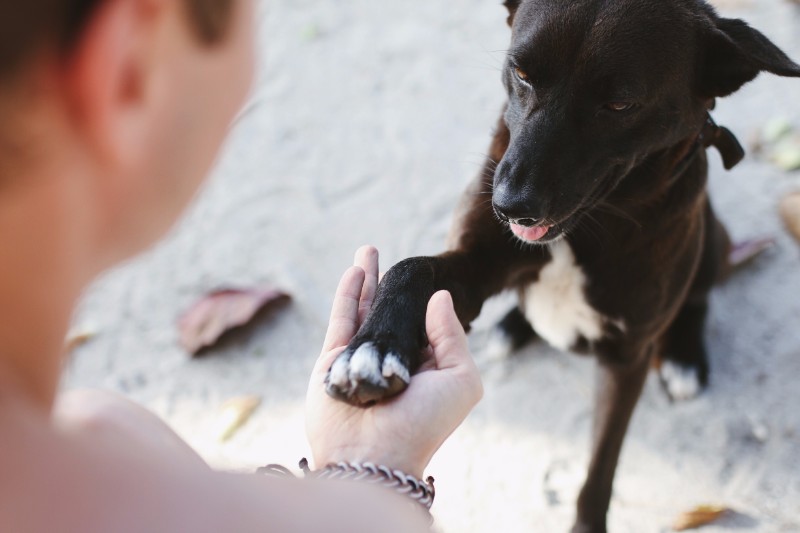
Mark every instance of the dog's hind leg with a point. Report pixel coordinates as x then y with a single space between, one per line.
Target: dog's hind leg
509 335
684 366
619 386
684 363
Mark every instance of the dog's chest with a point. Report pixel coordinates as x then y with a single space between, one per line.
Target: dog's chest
556 305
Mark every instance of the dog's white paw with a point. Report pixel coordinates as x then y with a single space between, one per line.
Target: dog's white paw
393 368
681 382
366 376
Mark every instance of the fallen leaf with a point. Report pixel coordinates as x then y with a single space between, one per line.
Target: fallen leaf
311 32
790 212
786 153
699 516
743 252
221 311
77 337
234 415
776 129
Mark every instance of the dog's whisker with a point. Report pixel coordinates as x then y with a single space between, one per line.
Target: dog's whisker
611 209
599 236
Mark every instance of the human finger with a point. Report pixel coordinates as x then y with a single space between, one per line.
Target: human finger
367 258
343 323
445 332
448 342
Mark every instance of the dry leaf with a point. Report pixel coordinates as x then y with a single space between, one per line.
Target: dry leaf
776 129
234 414
743 252
78 337
311 32
699 516
790 212
221 311
786 153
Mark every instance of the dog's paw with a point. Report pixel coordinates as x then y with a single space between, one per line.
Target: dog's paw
366 374
681 382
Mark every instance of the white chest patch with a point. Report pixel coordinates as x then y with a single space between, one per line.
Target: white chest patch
556 304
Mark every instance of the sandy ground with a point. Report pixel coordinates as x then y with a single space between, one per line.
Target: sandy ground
368 120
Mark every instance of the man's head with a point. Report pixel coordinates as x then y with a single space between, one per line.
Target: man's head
27 27
596 87
119 104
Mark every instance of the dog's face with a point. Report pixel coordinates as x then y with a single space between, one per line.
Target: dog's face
595 87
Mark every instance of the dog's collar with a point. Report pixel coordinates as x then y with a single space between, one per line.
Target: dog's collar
724 141
720 138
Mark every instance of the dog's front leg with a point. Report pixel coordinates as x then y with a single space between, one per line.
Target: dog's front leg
388 347
618 389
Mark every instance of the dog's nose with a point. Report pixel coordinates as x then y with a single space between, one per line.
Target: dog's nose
527 222
515 212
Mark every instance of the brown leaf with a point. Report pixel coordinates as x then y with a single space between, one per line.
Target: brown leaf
221 311
786 153
790 212
234 414
743 252
699 516
78 337
776 129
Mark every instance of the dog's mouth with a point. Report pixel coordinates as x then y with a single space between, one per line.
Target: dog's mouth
547 231
531 233
551 229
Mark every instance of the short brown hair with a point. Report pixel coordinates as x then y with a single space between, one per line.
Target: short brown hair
28 25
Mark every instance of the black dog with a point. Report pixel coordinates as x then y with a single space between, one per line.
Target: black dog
600 215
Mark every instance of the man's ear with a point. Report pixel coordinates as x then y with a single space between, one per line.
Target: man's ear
733 54
512 6
107 76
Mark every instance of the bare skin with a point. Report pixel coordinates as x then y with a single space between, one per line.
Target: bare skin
117 140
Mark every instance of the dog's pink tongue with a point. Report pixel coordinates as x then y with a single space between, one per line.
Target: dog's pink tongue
533 233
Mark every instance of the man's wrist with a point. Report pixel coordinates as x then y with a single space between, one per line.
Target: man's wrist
414 489
404 464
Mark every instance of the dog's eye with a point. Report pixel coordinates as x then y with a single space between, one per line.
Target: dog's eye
521 74
619 107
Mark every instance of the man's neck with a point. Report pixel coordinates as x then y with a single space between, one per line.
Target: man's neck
39 282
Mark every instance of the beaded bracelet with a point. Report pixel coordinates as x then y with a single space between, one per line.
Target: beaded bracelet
421 492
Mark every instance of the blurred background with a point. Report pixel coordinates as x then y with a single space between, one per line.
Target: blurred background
367 121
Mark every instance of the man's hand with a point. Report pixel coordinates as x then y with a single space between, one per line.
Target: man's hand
406 431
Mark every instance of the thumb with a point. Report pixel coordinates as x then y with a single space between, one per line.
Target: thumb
445 332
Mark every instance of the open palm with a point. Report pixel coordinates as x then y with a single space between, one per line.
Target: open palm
404 432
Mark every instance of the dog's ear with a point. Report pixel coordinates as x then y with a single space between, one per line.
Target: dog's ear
734 54
512 6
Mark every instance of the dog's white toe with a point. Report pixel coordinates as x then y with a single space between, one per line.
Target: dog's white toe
340 372
392 367
365 365
682 382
